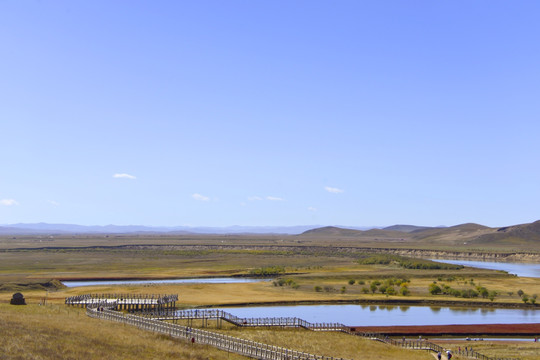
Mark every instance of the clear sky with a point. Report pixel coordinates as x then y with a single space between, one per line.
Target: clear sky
220 113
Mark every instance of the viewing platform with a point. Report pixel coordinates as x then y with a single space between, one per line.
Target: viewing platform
129 302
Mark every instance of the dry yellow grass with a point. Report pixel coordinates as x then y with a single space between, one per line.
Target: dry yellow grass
58 332
329 344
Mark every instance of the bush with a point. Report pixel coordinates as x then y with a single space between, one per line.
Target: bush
434 289
267 271
365 290
343 289
404 291
317 288
469 293
483 291
352 281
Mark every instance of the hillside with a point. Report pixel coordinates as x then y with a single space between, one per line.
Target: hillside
406 228
332 231
464 234
517 234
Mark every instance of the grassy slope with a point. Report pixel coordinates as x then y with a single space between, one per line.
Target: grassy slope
45 332
53 332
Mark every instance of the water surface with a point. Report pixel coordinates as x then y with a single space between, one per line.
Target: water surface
381 315
519 269
227 280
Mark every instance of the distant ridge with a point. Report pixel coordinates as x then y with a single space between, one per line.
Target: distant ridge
468 233
58 229
406 228
332 231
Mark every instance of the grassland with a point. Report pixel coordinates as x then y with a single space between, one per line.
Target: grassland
58 332
314 270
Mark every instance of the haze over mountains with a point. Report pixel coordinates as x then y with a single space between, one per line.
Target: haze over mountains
44 228
458 234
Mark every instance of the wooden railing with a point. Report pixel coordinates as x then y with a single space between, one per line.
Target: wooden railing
417 344
157 299
240 346
151 320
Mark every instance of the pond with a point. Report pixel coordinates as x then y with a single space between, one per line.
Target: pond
225 280
382 315
519 269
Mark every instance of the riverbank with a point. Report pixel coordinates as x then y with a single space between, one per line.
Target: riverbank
379 301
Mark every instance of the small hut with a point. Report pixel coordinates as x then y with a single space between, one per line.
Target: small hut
17 299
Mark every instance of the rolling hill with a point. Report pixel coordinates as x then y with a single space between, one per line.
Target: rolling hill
463 234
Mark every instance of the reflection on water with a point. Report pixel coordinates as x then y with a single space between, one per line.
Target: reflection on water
384 315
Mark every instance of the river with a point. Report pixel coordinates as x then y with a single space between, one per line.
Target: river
382 315
519 269
224 280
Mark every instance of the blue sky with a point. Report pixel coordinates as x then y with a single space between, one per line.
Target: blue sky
222 113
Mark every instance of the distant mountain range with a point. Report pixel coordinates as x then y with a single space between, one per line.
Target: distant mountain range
50 229
469 233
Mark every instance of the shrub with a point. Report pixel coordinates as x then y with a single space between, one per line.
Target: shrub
434 289
351 282
365 290
404 291
343 289
469 293
267 271
317 288
483 291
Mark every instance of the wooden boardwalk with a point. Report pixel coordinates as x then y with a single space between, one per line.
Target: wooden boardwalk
157 308
214 314
240 346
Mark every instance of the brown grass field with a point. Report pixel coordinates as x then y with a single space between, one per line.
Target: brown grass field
54 331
